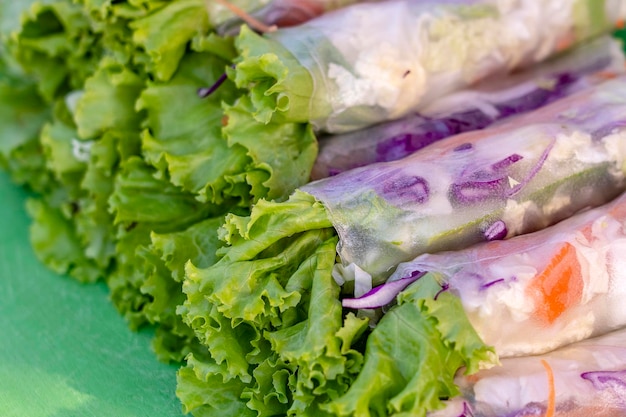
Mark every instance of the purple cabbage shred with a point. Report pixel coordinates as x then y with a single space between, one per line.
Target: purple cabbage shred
383 294
473 191
506 162
463 147
412 188
467 410
514 190
433 130
204 92
490 283
444 287
496 231
601 380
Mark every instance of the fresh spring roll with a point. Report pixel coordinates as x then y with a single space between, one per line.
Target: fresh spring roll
585 379
517 177
536 292
471 109
372 62
526 295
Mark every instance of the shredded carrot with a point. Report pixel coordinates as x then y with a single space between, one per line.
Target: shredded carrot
559 286
251 21
605 75
565 42
550 410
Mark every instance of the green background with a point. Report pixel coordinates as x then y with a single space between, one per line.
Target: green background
64 349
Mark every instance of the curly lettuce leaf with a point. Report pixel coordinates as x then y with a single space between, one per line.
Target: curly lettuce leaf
22 115
231 165
22 111
165 261
278 173
269 312
141 198
56 45
94 222
413 354
184 141
57 140
56 245
165 34
143 204
107 101
295 366
280 88
128 276
204 392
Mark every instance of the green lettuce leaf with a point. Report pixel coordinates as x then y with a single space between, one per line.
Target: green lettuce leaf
56 45
231 165
142 204
94 221
204 392
269 312
22 115
56 245
165 261
107 102
184 141
272 175
413 354
280 88
165 34
141 198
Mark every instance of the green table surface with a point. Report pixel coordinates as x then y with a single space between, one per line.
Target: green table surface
64 350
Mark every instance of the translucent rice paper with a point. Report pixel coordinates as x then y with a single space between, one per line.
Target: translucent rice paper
589 381
380 61
540 291
519 176
471 109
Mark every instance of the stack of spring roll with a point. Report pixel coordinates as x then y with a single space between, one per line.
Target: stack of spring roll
469 162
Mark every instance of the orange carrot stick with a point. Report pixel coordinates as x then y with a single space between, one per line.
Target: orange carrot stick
550 410
558 286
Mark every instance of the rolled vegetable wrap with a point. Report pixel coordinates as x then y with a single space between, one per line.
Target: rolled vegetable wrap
351 68
517 177
526 295
471 109
585 379
537 292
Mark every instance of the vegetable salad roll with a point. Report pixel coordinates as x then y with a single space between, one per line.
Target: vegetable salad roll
517 177
537 292
526 295
472 109
585 379
351 68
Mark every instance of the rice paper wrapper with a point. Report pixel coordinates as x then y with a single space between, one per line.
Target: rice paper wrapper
517 177
537 292
379 61
472 108
589 380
